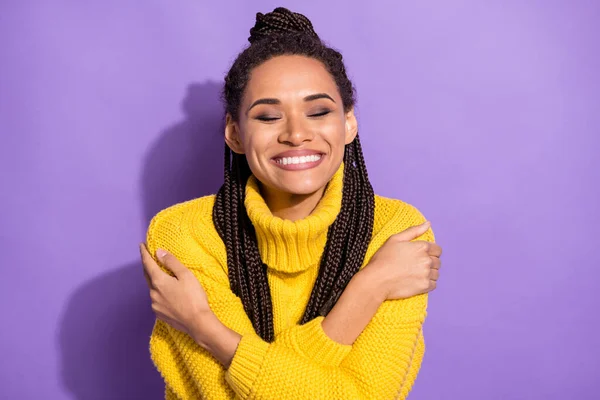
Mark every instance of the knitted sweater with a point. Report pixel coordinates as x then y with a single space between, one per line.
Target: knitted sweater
302 362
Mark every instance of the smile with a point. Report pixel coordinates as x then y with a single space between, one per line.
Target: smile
298 160
296 163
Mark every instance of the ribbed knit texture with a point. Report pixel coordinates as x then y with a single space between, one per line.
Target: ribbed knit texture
302 362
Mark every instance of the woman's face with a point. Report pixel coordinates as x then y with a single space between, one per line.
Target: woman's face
292 126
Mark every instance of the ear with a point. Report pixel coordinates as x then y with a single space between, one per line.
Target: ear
351 126
232 135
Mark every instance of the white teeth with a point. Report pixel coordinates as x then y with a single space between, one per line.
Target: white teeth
298 160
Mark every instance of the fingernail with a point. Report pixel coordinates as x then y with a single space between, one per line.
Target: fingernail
426 223
160 253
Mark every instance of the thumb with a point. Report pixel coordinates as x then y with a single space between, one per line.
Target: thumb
413 232
171 262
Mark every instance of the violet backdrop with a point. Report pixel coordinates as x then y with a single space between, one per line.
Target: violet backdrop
483 114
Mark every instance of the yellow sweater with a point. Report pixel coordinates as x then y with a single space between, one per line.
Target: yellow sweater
302 362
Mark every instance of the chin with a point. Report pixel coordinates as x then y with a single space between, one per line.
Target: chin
301 183
305 182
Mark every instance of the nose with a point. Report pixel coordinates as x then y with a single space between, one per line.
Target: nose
295 132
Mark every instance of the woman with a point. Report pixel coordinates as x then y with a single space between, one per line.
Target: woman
295 281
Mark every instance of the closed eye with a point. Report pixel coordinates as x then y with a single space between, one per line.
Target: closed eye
321 114
266 118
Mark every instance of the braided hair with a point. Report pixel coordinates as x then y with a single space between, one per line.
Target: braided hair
283 32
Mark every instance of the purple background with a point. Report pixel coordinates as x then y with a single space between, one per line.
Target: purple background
483 114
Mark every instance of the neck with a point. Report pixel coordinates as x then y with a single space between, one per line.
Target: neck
290 206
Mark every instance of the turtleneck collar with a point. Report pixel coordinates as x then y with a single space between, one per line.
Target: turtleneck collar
293 246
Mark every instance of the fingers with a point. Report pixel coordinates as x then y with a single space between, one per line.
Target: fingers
172 263
434 250
432 285
434 272
151 269
413 232
436 263
147 277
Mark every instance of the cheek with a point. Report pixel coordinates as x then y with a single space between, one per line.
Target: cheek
256 145
335 135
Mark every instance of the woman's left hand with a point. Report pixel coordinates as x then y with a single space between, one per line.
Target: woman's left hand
180 301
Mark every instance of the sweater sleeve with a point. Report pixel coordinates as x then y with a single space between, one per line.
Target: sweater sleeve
381 364
388 353
303 362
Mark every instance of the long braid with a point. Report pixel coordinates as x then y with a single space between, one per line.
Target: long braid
276 33
247 273
256 270
363 222
356 216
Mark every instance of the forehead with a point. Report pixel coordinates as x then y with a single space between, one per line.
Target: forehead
290 76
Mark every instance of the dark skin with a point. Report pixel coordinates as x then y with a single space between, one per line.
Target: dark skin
403 267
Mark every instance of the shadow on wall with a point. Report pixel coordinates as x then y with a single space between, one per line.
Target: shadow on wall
106 326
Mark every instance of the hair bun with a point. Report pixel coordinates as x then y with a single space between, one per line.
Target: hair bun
280 21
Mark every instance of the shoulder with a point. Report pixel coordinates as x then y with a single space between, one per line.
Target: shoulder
395 212
187 231
173 218
393 216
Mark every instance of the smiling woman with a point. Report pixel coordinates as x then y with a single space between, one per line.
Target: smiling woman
295 280
304 116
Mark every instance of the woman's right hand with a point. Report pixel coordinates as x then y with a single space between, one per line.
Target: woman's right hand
401 268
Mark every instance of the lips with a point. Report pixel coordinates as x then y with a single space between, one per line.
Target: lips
295 160
298 153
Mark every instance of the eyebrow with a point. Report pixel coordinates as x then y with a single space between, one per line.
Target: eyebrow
311 97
